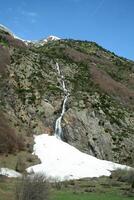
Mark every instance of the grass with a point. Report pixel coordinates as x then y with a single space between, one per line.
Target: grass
90 189
10 160
65 195
7 187
93 189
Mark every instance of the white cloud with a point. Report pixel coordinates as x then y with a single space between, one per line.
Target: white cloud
31 16
29 13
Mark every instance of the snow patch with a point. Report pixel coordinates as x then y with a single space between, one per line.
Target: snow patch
9 173
44 41
52 38
62 161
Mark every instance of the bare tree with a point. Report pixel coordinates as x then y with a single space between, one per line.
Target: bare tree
32 188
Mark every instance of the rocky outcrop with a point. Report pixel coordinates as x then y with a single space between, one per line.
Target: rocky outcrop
94 134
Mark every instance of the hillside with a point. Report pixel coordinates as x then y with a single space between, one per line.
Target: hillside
99 117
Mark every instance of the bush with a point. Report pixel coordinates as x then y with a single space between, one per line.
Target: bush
20 165
32 188
124 176
58 184
9 141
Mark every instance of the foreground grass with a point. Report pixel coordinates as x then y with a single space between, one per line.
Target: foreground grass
7 189
88 189
64 195
93 189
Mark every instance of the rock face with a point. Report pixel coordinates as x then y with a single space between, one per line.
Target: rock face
99 117
96 136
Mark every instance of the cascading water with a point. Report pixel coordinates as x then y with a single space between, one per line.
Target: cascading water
58 129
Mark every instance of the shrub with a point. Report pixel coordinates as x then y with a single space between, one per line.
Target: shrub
58 184
20 165
9 141
124 176
32 188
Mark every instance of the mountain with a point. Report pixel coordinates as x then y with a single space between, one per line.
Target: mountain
43 41
99 117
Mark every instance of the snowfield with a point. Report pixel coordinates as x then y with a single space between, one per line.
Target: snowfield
62 161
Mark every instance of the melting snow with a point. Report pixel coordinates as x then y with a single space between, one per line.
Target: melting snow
62 161
9 173
52 38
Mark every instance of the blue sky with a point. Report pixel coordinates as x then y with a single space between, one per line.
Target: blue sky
110 23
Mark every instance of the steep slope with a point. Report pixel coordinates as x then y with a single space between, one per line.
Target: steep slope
99 116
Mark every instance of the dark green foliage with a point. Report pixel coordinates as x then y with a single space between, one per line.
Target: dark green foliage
82 78
110 108
3 42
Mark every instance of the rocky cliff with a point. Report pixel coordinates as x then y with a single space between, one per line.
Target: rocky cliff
99 118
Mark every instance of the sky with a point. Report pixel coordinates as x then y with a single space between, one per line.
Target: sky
110 23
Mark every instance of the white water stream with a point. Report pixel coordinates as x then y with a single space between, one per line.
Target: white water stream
58 129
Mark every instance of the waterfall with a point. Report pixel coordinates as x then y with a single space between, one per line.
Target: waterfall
58 129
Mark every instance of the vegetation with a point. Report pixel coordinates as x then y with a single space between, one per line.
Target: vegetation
88 189
100 84
9 141
32 188
65 195
3 41
124 176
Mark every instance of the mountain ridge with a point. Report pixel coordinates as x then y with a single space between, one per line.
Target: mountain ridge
35 42
49 38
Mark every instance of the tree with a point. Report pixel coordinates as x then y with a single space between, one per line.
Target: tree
32 188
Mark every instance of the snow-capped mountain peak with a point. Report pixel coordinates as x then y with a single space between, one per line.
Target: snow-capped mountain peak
52 38
48 39
45 40
37 43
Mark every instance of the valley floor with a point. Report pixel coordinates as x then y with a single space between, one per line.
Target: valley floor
86 189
